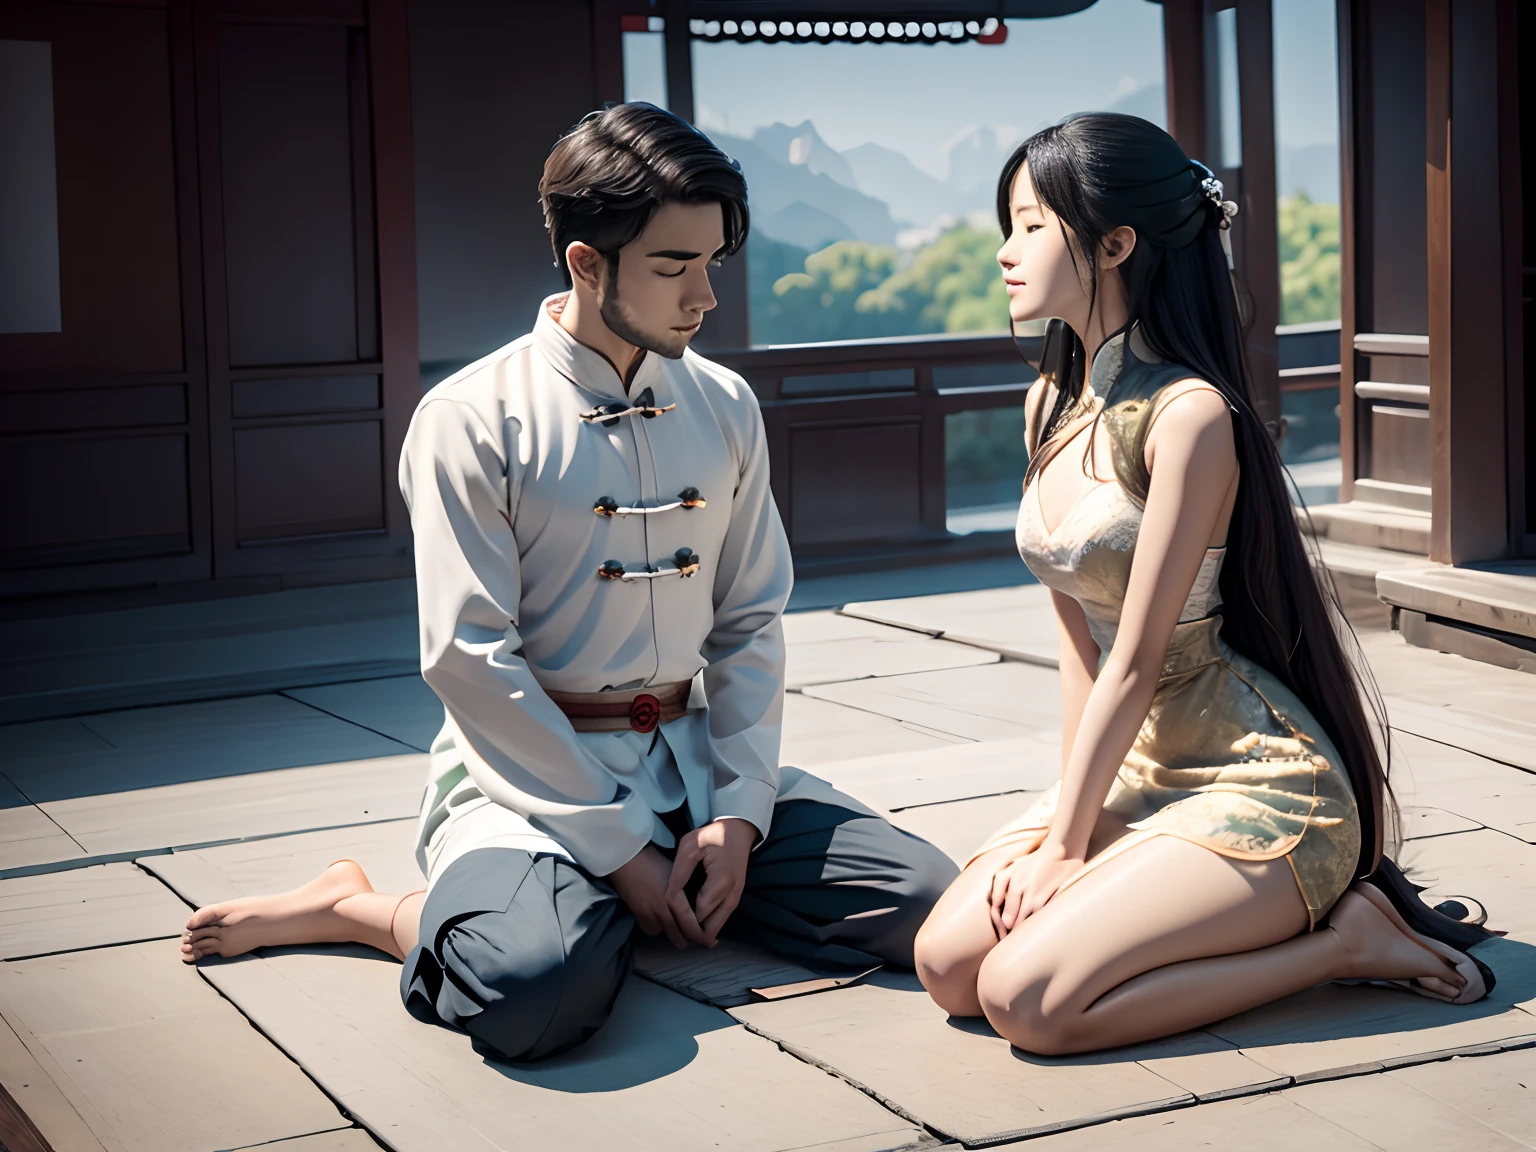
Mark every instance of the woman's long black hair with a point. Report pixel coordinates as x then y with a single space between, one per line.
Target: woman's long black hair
1099 171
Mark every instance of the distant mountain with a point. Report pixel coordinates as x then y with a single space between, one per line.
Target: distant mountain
802 225
801 146
976 158
774 185
915 197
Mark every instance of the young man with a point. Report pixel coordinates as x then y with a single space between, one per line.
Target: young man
594 527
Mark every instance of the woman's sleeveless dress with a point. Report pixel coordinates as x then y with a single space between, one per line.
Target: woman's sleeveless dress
1228 757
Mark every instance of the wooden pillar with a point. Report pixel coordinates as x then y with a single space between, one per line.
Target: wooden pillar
1349 153
1258 223
1184 67
607 53
395 198
1468 68
679 49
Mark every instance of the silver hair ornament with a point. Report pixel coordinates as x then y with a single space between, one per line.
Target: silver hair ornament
1213 190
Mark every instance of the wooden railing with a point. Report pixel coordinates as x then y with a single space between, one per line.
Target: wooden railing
856 433
856 437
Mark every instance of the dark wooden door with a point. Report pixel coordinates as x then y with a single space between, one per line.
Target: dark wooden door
103 394
303 113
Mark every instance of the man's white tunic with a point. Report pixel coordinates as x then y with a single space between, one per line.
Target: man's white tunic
501 475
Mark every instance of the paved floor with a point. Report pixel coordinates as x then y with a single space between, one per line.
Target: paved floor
940 710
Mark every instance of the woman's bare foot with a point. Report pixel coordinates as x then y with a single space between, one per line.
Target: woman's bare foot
301 916
1379 945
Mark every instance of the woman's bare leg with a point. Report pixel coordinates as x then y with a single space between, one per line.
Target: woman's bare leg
958 933
1169 936
337 907
957 936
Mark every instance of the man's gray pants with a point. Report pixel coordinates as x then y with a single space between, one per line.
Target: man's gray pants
527 952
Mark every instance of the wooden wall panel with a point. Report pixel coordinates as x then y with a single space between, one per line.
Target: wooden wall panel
120 287
102 424
285 147
1399 440
109 497
309 480
489 101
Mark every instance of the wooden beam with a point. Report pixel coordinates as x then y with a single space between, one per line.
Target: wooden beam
607 53
1468 366
1259 219
1184 66
679 50
1348 12
395 197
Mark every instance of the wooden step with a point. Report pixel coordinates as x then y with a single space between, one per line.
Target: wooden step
1494 597
1373 526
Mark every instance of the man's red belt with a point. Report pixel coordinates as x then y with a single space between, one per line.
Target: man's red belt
640 709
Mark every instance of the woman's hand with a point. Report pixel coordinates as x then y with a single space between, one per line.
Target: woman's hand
1023 886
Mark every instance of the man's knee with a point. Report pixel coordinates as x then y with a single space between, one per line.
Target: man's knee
927 876
537 1002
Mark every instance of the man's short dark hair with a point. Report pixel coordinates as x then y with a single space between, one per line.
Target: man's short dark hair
607 177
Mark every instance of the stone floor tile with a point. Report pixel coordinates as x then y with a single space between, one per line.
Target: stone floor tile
903 779
1396 1117
957 1077
59 1118
664 1073
179 743
1498 870
1441 681
1332 1030
819 731
152 1058
890 652
321 795
386 852
1496 1091
1421 822
27 836
1501 738
991 702
342 1140
1204 1065
1269 1123
959 827
1495 795
822 626
1018 622
402 708
85 908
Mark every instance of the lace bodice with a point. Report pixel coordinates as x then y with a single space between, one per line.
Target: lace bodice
1088 555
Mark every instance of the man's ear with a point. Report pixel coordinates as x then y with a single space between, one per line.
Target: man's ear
1118 246
586 264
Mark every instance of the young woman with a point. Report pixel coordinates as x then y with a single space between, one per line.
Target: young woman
1215 841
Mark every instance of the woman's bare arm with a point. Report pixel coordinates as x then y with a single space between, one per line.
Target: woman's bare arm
1079 664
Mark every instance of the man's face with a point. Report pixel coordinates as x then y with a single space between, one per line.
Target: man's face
658 300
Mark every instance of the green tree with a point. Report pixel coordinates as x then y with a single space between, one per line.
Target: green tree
1309 260
952 285
852 290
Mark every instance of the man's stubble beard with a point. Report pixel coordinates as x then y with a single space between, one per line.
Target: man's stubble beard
624 326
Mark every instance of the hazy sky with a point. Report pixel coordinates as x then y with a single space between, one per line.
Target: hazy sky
915 98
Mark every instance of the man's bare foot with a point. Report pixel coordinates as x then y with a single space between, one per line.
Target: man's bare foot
1378 945
301 916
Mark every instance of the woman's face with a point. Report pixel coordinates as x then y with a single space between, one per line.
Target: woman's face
1043 282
